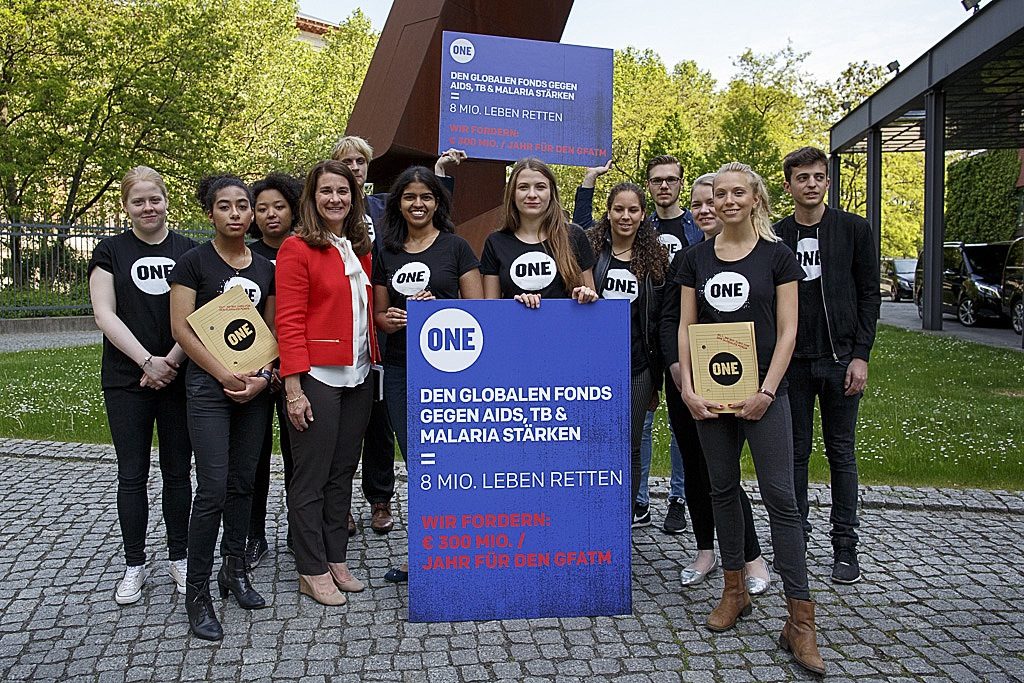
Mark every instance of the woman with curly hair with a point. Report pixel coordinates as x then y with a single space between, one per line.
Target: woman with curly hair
536 253
631 265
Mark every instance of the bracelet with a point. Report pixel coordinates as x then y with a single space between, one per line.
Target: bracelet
265 374
293 399
148 361
767 393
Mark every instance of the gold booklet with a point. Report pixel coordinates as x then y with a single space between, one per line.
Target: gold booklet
723 357
232 330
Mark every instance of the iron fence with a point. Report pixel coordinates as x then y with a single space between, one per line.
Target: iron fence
43 267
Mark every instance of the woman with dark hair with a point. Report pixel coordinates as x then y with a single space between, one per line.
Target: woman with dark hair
422 259
327 344
536 253
141 374
275 215
762 276
227 411
631 265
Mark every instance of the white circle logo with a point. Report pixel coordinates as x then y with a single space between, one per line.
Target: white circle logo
411 278
671 243
149 274
619 283
533 271
727 291
451 340
369 227
250 288
809 258
461 50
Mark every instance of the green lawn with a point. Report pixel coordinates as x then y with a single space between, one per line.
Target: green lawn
938 412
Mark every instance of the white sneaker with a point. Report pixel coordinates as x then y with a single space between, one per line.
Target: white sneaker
177 570
130 589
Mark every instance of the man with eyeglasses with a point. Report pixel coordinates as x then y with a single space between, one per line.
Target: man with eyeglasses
676 230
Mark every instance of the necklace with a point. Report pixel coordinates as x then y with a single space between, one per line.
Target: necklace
620 253
246 258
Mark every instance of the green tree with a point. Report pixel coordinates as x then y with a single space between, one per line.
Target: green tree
982 202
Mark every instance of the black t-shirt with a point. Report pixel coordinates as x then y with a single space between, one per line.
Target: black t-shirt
671 234
263 249
437 269
811 335
143 301
530 268
203 270
620 283
741 291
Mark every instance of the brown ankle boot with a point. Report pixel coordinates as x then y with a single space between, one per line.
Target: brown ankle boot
799 636
735 602
322 589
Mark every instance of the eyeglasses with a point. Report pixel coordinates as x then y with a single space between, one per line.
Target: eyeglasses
658 182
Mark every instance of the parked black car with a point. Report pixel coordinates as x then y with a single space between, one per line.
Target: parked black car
897 277
1013 285
971 281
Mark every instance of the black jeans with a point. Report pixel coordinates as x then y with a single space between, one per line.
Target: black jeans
131 415
641 384
823 378
771 447
261 485
325 456
697 483
379 456
226 439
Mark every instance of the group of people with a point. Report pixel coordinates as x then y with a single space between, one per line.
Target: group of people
331 273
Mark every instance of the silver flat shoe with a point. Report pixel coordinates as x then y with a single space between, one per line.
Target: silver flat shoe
755 584
691 577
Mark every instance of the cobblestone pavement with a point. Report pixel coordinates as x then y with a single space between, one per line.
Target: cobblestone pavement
940 601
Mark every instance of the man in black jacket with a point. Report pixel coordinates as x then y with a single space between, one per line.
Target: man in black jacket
839 303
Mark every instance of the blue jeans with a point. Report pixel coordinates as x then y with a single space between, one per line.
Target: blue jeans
823 378
646 447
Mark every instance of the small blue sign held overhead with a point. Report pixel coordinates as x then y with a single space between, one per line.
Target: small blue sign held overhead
518 460
508 98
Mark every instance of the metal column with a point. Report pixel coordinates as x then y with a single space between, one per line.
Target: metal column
874 187
833 174
934 190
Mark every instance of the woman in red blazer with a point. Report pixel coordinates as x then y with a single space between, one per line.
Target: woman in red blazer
327 344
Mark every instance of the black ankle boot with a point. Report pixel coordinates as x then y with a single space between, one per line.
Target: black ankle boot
202 619
232 579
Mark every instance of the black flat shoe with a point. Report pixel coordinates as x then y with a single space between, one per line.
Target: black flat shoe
233 579
255 549
396 575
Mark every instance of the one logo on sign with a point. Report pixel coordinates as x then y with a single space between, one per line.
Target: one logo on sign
727 291
411 278
149 274
619 283
251 288
725 368
809 258
533 271
461 50
671 243
451 340
239 334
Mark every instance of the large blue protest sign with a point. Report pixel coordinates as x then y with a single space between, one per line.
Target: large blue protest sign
518 460
508 98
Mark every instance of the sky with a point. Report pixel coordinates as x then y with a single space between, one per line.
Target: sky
835 32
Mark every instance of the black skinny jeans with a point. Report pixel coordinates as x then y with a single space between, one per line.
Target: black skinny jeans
131 415
379 455
226 438
641 384
261 485
325 458
697 483
771 447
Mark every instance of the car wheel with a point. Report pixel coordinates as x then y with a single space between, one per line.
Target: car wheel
965 312
1017 316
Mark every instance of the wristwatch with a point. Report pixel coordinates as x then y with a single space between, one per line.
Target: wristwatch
265 374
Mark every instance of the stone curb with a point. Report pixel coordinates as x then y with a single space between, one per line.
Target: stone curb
871 497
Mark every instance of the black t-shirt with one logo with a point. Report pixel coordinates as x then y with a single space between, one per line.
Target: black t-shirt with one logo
812 335
672 235
741 291
530 268
203 270
265 250
436 269
143 301
620 283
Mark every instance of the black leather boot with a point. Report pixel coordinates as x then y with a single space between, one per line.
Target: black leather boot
202 619
233 579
